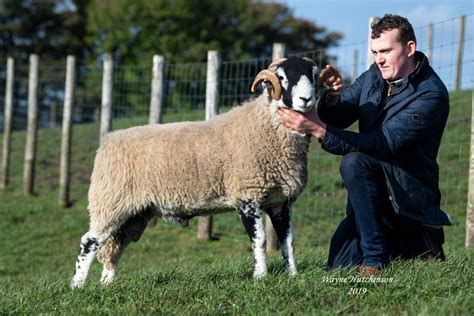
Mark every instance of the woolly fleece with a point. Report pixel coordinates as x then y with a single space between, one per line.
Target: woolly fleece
181 170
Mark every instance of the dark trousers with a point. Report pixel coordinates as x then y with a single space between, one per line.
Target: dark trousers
371 233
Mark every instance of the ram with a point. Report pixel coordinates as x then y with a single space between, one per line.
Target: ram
242 160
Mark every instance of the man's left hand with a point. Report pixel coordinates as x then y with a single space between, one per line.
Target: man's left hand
308 123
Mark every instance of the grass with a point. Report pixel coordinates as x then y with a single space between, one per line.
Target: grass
170 272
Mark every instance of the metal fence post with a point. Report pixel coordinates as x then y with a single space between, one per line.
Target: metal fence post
212 100
278 51
107 85
7 127
32 129
156 103
65 160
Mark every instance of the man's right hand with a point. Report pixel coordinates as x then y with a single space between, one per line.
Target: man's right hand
332 78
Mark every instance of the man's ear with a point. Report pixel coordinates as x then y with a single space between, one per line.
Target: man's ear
411 48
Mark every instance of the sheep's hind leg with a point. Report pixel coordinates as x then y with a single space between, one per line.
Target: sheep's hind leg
252 218
90 244
281 220
110 254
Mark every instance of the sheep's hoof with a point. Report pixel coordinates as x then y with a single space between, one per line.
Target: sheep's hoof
75 284
107 276
257 275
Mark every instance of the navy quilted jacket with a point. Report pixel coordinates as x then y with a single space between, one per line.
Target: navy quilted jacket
403 131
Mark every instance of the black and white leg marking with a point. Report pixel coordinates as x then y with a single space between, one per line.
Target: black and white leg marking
252 218
281 220
90 244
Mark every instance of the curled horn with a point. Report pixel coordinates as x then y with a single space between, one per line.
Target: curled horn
274 65
267 75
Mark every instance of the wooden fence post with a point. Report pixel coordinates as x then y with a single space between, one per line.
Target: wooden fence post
470 192
460 53
430 43
212 100
32 129
107 85
355 66
370 57
65 160
278 51
7 126
156 103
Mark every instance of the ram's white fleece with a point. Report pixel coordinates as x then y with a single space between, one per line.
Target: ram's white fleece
181 170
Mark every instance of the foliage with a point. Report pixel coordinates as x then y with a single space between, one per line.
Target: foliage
51 29
184 30
134 30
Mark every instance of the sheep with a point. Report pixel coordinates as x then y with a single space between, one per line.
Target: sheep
242 160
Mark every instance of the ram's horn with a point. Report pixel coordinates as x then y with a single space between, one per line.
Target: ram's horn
267 75
274 65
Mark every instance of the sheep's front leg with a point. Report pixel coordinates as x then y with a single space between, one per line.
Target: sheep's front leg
281 220
252 218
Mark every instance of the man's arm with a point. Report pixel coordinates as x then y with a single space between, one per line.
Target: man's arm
415 122
337 108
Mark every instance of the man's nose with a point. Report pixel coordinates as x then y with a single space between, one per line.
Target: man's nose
379 59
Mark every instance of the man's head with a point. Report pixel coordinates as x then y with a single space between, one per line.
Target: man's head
393 44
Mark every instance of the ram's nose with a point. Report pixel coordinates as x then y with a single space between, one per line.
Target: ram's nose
305 100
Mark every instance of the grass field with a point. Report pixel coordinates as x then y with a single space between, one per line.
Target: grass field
170 272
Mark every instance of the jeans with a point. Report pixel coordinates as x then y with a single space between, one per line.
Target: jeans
367 196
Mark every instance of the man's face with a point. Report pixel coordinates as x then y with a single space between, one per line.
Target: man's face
391 56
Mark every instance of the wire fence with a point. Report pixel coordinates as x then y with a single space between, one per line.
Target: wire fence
184 99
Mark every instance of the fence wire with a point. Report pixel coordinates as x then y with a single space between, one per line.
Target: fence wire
184 99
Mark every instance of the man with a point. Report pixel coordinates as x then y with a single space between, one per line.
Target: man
389 168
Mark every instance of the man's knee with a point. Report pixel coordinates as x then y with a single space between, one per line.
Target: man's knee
354 165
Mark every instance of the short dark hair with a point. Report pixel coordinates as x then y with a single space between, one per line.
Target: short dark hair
390 22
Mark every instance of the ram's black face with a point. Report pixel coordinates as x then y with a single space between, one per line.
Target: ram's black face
297 77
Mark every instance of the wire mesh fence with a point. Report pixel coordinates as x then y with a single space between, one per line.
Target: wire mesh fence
184 99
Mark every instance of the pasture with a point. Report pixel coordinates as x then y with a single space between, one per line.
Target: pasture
170 272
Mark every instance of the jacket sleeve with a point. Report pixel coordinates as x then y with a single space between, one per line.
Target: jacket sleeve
418 120
345 111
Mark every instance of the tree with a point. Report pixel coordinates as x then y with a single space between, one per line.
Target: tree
184 30
51 29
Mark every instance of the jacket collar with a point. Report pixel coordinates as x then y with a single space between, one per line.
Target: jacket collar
407 83
422 64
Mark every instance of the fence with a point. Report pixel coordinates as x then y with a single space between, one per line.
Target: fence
183 97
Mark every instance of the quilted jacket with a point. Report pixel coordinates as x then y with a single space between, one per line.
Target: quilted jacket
403 131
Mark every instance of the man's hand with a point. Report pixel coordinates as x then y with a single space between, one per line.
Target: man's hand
307 123
332 78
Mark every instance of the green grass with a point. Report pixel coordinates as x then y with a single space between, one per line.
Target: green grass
170 272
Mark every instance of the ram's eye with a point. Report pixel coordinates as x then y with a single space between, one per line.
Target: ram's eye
280 77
